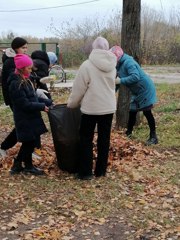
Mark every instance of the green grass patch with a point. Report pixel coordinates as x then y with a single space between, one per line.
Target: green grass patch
1 96
6 116
170 107
167 117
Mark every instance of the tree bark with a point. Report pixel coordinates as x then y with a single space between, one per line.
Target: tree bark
130 43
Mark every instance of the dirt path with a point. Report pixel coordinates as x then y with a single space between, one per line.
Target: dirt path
159 74
164 74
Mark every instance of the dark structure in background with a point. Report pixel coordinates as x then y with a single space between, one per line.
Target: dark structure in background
44 46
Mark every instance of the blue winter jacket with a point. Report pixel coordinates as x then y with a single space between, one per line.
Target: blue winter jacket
26 109
139 83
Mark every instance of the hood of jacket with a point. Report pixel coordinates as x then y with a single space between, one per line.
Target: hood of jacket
124 58
41 55
9 53
103 60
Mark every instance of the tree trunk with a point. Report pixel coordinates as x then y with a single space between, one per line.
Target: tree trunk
130 43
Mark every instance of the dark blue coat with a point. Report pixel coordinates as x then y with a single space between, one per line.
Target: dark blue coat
26 109
139 83
8 68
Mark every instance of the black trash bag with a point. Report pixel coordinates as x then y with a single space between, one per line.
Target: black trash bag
65 123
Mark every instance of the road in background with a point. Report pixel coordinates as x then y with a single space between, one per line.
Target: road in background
159 74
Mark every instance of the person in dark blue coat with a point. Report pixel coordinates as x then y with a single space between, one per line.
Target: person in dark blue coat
40 69
142 88
26 111
41 66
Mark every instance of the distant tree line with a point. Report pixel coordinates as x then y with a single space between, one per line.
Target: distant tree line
160 36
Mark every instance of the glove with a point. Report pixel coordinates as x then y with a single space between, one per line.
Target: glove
117 80
41 93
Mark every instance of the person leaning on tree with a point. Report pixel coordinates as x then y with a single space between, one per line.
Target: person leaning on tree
142 88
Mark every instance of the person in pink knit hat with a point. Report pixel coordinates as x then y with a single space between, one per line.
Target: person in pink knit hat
142 88
118 52
27 117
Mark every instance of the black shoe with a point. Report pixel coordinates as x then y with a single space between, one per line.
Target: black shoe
99 173
84 177
151 141
34 171
128 134
16 168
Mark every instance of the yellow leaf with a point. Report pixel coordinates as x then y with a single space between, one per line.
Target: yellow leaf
12 225
136 176
79 213
129 205
142 201
102 220
55 235
177 229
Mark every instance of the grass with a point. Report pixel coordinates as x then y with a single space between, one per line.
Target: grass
167 117
70 75
61 203
6 116
1 97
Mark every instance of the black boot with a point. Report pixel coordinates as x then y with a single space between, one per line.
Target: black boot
128 133
84 177
33 170
17 167
152 139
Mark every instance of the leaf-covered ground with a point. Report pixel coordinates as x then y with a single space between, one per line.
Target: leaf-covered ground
139 198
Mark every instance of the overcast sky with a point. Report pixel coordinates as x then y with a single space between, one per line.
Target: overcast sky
35 23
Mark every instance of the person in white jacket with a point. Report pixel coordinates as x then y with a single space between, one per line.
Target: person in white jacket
94 90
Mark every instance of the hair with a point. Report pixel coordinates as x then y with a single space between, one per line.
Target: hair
18 42
41 55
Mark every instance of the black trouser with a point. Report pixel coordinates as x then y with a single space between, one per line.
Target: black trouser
38 142
11 139
88 124
25 153
149 116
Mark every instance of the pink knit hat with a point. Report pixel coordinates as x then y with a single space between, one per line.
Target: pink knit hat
22 60
100 43
117 51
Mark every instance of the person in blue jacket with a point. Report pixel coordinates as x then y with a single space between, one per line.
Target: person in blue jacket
26 107
142 88
52 58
